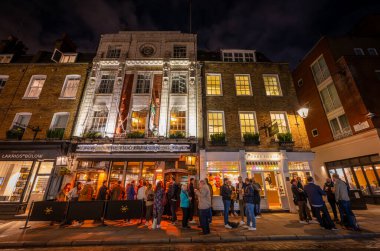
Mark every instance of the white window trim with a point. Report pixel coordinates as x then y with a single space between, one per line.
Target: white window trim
146 128
325 85
312 134
254 117
359 49
249 82
171 82
6 78
286 118
186 51
340 126
30 82
20 114
187 120
150 86
65 83
224 124
239 51
221 84
312 73
279 84
75 55
57 114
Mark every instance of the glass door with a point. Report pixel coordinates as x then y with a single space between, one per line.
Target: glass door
272 190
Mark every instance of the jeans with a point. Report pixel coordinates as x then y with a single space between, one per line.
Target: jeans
241 209
210 217
204 215
173 209
324 211
227 205
345 209
185 219
257 209
157 213
148 215
232 207
303 211
333 207
191 209
250 212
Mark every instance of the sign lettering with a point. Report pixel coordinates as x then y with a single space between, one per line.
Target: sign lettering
133 148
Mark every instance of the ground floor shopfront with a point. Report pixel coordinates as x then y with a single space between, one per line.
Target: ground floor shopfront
272 170
28 172
356 160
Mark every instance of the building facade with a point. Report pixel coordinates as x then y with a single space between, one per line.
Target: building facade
251 127
39 98
138 115
338 80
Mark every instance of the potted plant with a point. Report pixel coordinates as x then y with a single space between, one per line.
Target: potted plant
92 135
218 139
251 138
177 135
56 133
64 171
136 135
15 133
285 140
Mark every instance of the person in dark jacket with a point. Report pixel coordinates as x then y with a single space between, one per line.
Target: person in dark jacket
257 198
329 185
300 200
173 196
249 199
211 194
315 193
192 201
103 192
225 192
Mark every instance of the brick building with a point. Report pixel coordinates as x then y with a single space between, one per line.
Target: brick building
251 127
338 80
39 98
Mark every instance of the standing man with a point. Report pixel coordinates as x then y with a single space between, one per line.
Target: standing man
240 186
299 198
103 192
192 201
117 192
226 192
249 195
204 204
87 192
328 187
257 198
173 197
315 193
211 194
344 203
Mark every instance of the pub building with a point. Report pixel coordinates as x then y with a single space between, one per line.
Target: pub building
138 116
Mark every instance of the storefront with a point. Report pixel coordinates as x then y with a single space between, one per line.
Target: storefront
361 173
28 172
132 162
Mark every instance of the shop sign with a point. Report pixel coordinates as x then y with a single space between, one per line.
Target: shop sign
262 156
361 126
21 156
118 148
176 170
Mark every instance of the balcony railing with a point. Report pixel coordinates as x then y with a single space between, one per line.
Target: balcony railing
345 132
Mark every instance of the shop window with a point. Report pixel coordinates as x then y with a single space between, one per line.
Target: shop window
247 122
350 178
113 51
70 86
243 85
35 86
272 85
213 84
179 51
218 170
178 123
99 121
143 83
215 122
362 181
320 70
179 83
13 179
139 121
106 84
281 120
3 80
330 98
340 127
372 179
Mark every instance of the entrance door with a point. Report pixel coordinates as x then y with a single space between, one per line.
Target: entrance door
271 190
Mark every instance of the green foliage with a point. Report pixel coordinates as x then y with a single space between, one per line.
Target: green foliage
15 133
218 138
177 135
285 137
251 138
55 133
135 135
92 135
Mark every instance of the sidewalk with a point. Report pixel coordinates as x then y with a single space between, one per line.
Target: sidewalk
271 227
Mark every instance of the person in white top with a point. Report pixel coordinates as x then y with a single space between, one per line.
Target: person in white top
141 192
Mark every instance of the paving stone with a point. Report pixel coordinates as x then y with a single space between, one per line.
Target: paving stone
86 242
283 237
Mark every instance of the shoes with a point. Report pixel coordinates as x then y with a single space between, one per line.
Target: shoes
313 222
227 226
303 222
334 229
246 226
192 222
241 223
258 217
251 228
158 227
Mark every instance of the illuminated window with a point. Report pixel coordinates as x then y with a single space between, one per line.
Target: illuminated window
68 57
272 85
113 51
3 80
70 86
99 121
179 51
214 84
320 70
143 83
59 120
106 84
179 83
243 85
21 120
247 122
35 86
178 122
139 121
5 58
215 123
280 119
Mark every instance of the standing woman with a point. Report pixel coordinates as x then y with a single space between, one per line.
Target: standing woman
185 205
149 199
63 195
158 206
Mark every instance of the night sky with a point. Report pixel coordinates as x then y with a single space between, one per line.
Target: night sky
284 30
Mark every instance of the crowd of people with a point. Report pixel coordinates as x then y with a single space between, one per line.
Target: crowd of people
166 199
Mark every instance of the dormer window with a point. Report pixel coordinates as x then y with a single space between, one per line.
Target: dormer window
179 51
64 57
238 56
113 51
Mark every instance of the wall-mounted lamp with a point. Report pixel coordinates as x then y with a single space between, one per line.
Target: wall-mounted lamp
303 112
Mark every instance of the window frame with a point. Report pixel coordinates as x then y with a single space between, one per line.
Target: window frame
113 48
28 88
320 69
70 56
90 129
249 84
255 121
136 83
67 78
3 79
357 49
221 84
146 124
278 84
334 106
373 50
286 119
178 73
55 115
111 77
17 115
343 133
208 126
179 56
186 122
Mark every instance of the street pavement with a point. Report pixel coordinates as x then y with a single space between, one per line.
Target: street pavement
271 228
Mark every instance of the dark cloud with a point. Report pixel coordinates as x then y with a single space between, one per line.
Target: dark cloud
283 30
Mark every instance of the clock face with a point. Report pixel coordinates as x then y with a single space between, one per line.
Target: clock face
147 50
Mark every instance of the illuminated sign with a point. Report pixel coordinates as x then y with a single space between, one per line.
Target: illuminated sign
118 148
262 156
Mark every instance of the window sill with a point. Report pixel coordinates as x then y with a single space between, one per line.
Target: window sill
69 98
30 97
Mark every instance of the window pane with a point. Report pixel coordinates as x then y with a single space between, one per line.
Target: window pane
99 121
215 122
60 121
35 86
178 122
372 179
179 51
213 83
243 85
143 83
280 119
272 86
139 121
247 123
335 126
350 178
106 84
334 96
320 70
344 123
113 51
326 100
361 179
179 83
71 87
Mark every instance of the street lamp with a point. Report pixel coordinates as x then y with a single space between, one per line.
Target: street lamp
303 112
